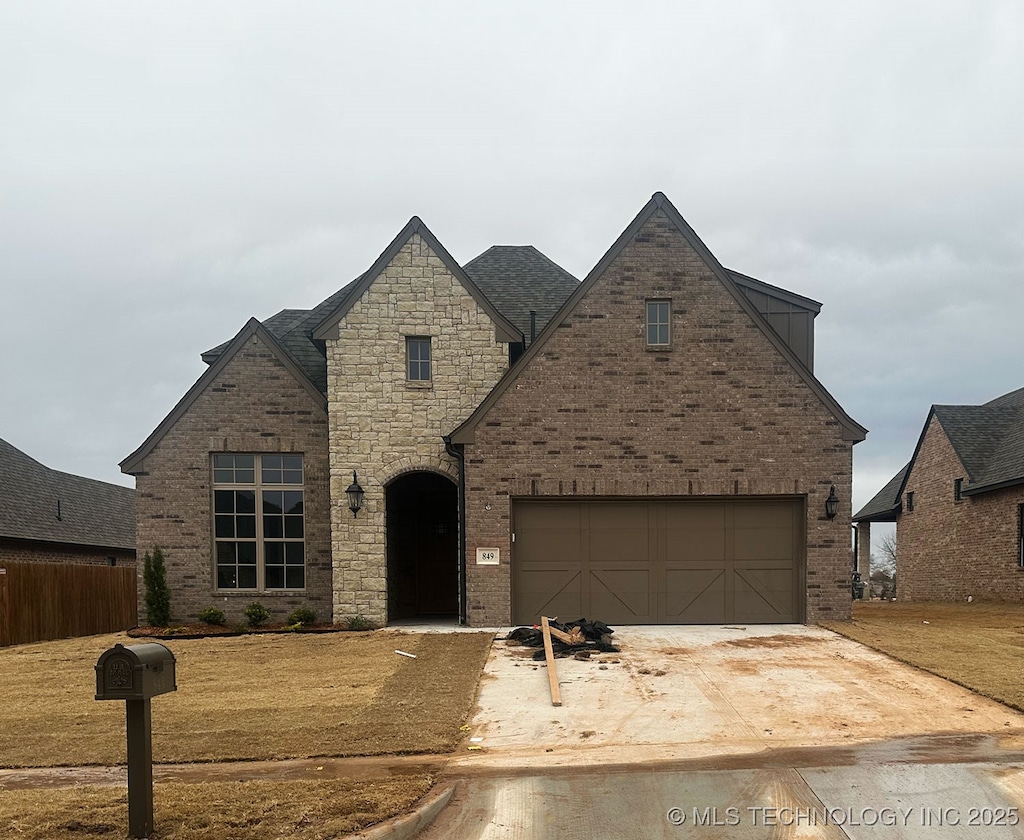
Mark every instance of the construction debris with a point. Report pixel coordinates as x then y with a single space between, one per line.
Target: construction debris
566 639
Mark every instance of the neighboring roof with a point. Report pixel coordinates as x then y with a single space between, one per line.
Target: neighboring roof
887 503
252 328
852 430
519 279
988 439
328 327
92 513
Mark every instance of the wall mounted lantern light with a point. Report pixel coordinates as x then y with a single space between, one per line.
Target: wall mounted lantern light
832 503
355 495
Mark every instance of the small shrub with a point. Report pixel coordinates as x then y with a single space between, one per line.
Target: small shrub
302 616
211 615
256 614
358 622
158 594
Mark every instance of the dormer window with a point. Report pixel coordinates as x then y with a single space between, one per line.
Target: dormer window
417 358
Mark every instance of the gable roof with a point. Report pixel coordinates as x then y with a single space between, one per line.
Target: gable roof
293 329
519 279
93 513
887 502
852 430
505 330
988 439
252 328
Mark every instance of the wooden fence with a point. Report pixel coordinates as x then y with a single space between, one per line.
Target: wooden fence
57 600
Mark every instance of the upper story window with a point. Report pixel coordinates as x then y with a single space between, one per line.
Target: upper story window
658 320
958 489
259 521
417 358
910 502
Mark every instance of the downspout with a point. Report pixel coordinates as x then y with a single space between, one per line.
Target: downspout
460 456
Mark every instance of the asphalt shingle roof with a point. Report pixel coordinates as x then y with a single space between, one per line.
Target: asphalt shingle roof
518 279
92 512
886 503
989 441
514 278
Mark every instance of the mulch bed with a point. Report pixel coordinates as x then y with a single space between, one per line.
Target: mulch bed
201 631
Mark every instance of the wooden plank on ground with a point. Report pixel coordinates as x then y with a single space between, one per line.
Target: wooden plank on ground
573 638
549 657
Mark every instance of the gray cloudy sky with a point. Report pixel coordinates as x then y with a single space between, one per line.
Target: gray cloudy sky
168 170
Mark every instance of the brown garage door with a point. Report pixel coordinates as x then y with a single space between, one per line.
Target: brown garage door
662 562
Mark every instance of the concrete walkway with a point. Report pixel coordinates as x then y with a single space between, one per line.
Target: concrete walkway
779 731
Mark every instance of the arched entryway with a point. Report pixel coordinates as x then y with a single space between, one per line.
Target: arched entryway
423 547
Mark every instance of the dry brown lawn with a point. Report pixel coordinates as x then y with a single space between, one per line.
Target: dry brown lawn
979 645
258 810
247 697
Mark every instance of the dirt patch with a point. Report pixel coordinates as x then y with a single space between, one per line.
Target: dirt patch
306 810
780 641
675 651
247 698
976 645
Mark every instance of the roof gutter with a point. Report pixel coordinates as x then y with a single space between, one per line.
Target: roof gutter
999 485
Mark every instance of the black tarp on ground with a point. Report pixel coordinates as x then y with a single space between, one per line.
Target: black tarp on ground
597 636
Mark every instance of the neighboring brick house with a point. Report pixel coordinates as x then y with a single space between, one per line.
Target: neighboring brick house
649 445
48 516
959 505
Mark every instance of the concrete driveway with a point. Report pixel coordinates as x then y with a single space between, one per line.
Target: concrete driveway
733 732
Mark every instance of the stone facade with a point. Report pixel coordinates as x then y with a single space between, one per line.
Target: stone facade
383 425
947 549
253 405
598 413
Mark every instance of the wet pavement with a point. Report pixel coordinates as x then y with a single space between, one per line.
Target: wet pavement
733 732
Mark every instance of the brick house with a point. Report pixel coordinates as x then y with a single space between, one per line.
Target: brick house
959 505
496 440
48 516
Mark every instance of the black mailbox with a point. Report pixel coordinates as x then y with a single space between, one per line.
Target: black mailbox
135 673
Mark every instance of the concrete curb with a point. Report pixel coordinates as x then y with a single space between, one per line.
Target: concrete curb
409 825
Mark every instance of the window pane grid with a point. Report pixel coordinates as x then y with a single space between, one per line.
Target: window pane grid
658 312
417 354
261 550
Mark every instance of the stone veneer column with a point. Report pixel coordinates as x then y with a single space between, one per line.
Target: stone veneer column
381 424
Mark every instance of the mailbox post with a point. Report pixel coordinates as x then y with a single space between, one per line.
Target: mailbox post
135 674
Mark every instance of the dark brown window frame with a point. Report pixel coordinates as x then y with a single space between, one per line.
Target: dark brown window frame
263 479
657 323
415 368
1020 536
